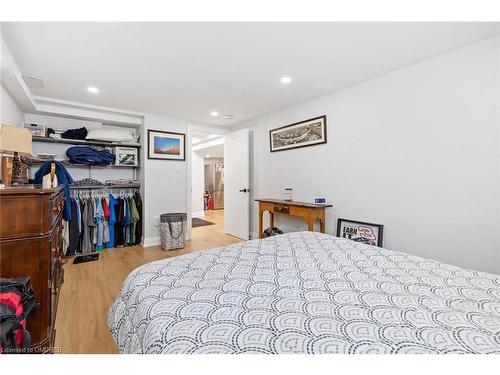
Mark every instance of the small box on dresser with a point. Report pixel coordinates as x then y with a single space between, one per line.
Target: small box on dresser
31 245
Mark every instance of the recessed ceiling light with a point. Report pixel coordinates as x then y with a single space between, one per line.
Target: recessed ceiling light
214 113
228 117
207 156
286 80
93 90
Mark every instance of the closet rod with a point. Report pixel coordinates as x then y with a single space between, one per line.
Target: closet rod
95 187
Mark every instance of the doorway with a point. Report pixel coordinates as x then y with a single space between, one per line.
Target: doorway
207 182
218 180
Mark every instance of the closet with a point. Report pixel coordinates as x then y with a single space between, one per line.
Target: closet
97 226
104 217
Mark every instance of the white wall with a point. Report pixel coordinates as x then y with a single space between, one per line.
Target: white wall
165 181
197 184
10 112
415 150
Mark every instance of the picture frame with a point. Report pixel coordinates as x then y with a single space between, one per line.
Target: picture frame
126 156
163 145
305 133
360 231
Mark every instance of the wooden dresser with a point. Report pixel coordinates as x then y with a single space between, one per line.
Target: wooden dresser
31 245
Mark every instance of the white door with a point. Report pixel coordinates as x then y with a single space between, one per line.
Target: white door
237 184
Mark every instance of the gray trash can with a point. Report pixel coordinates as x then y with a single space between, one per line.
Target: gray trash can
173 229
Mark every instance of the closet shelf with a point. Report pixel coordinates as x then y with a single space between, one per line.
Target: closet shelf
65 162
119 186
87 143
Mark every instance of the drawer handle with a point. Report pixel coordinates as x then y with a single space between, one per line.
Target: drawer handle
281 209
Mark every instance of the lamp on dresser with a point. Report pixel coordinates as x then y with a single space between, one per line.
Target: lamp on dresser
13 142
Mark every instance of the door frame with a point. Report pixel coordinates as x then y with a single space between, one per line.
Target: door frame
190 129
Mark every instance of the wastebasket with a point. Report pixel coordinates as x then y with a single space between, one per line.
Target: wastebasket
173 230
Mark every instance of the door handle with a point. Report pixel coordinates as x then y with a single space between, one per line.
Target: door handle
245 190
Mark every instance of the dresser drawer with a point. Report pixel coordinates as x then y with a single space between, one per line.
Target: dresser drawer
56 205
26 212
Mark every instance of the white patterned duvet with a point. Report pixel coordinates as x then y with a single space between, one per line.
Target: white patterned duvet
306 292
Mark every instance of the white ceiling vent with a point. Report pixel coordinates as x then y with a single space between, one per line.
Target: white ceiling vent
33 83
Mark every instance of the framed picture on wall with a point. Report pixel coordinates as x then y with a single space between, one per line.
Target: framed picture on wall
359 231
166 145
301 134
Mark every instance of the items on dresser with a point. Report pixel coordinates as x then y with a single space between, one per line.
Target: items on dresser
14 142
63 178
31 245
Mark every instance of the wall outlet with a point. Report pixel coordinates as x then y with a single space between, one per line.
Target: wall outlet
156 220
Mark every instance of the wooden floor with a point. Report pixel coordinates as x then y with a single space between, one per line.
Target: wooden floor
90 288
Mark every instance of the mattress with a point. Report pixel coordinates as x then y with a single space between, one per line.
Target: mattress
306 292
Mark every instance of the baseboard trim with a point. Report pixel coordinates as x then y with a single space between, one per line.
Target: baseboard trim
198 214
151 241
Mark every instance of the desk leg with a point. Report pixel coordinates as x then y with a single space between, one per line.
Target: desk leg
271 219
261 213
321 218
310 224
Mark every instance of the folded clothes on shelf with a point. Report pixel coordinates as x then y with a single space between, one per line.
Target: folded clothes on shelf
111 135
29 159
121 182
55 136
87 182
80 134
89 155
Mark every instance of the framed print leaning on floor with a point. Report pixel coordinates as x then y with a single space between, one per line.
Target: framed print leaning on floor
166 145
359 231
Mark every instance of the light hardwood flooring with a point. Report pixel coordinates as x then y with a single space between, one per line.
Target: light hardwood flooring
90 288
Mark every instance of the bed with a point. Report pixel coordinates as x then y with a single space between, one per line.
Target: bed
306 292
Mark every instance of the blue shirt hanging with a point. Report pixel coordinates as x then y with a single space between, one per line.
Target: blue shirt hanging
111 221
63 178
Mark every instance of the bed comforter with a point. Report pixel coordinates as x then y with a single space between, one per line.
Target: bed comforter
306 292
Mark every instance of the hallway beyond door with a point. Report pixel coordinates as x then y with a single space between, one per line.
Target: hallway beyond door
210 232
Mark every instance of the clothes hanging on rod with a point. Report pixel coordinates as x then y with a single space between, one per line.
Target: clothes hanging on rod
138 225
103 219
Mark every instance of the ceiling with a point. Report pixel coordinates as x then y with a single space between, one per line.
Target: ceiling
198 138
216 151
208 144
187 70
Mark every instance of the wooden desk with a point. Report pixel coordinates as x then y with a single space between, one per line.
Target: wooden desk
310 212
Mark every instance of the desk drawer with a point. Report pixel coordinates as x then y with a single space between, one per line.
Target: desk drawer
281 209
